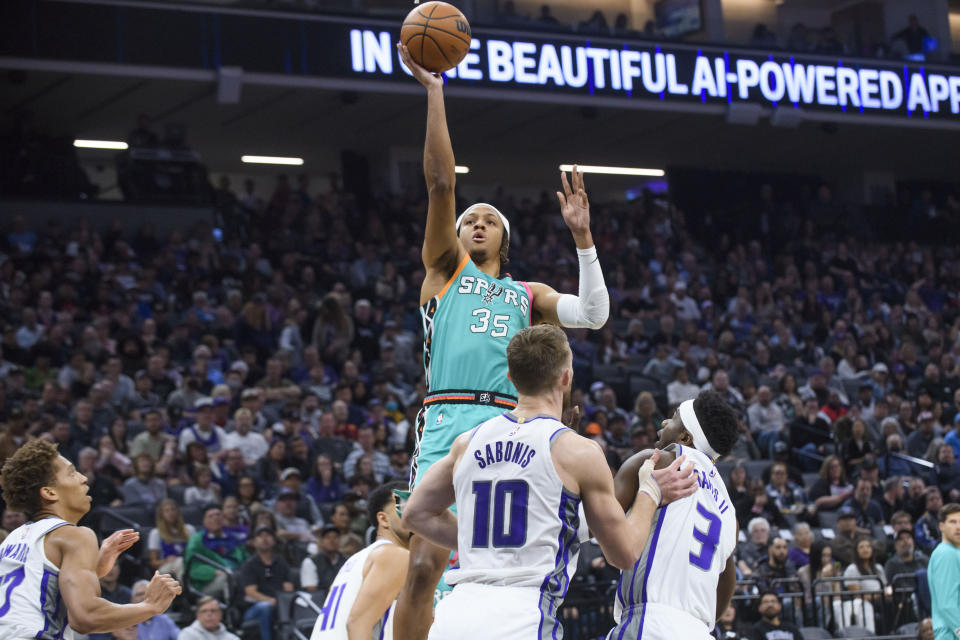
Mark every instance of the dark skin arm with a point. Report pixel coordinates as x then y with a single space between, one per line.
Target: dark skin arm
625 484
725 586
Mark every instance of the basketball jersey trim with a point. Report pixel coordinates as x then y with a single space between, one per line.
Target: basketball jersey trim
530 298
463 263
506 414
643 590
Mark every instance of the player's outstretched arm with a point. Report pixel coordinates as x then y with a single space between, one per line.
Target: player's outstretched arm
441 249
591 306
80 588
381 585
427 511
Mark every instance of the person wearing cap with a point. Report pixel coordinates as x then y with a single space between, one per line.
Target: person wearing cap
319 570
203 430
906 557
846 534
251 444
685 307
919 441
263 576
290 526
215 544
252 400
292 478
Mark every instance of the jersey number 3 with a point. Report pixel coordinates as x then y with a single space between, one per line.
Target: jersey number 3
708 539
512 533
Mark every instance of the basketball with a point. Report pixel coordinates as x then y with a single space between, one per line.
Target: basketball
437 35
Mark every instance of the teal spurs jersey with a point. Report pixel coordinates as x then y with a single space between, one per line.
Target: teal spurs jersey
466 329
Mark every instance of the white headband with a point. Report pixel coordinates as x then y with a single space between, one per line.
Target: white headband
474 207
689 418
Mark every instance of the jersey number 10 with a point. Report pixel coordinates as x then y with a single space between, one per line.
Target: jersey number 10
506 533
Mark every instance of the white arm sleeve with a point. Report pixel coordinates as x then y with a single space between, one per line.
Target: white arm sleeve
591 307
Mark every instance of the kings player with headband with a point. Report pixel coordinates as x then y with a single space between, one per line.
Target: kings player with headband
686 576
49 567
470 312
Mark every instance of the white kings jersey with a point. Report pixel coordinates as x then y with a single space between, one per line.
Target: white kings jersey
685 554
332 622
30 602
517 524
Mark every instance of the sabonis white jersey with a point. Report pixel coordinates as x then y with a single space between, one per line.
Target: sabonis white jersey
685 554
332 622
517 524
30 602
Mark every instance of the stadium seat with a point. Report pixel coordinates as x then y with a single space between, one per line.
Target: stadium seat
193 514
176 493
724 467
828 519
856 632
809 479
815 633
755 468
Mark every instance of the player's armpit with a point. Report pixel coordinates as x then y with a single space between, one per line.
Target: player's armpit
381 585
545 299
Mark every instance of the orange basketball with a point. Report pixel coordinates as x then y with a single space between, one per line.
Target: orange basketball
437 35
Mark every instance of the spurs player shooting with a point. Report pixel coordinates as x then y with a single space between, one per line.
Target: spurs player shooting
685 578
361 598
470 311
518 480
49 567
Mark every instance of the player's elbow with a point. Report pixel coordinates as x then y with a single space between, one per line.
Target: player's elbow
439 182
81 622
624 560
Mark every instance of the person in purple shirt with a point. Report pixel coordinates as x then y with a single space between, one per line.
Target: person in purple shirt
802 541
159 627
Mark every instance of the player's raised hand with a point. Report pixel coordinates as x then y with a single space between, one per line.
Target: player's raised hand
112 547
423 76
574 205
161 591
675 482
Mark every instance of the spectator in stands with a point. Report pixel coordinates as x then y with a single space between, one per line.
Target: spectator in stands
681 389
781 492
928 526
263 576
906 559
771 626
799 553
251 444
778 565
750 552
211 436
236 522
844 545
763 37
920 440
160 626
946 473
766 419
912 36
364 446
153 441
822 565
306 507
729 626
112 591
324 485
546 18
214 544
595 24
891 463
290 527
864 574
143 489
208 625
168 539
319 570
270 468
738 486
248 496
204 490
867 511
892 500
810 430
831 489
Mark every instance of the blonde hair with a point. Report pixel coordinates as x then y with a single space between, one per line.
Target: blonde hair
242 411
177 532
